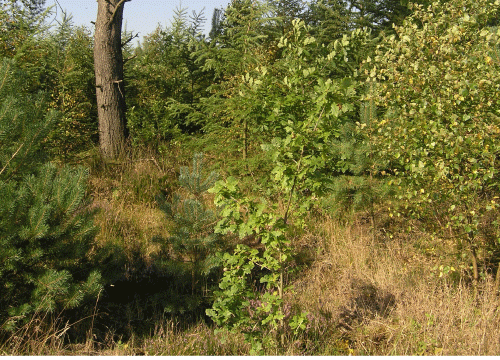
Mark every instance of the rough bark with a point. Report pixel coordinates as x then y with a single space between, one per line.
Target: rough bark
108 63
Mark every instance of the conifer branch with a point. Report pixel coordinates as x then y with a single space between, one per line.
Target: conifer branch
13 156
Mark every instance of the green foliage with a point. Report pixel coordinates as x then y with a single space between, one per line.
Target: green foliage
20 135
45 238
276 98
380 15
192 247
362 182
74 92
59 62
192 181
44 242
30 7
34 6
303 110
166 83
217 19
151 122
240 305
306 110
24 39
237 51
438 83
328 20
45 229
286 11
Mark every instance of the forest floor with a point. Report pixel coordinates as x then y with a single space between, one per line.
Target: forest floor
368 291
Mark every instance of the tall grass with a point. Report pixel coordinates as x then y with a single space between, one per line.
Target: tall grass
385 299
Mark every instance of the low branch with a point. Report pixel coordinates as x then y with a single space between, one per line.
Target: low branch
119 82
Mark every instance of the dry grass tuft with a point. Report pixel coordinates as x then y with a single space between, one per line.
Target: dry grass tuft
40 336
170 338
124 195
383 299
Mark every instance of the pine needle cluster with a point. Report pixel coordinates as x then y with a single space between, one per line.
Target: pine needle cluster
45 229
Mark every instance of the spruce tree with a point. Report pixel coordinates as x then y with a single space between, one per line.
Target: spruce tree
191 250
217 20
73 91
380 15
360 184
34 7
286 11
328 20
166 83
242 47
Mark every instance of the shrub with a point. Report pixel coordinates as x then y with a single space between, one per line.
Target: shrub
438 82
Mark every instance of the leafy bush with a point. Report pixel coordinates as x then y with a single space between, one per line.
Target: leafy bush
437 82
304 111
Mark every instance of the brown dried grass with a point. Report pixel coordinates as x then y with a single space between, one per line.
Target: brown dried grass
383 299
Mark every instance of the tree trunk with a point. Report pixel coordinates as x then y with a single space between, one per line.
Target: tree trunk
108 64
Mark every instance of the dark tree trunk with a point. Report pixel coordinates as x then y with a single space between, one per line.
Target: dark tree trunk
108 63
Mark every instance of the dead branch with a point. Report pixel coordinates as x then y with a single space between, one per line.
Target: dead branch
116 9
132 37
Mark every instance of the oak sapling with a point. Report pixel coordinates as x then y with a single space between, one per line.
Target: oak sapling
303 122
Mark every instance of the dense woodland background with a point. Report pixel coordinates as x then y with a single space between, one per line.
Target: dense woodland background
315 178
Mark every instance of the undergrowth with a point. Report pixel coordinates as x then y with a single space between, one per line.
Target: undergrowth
366 290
